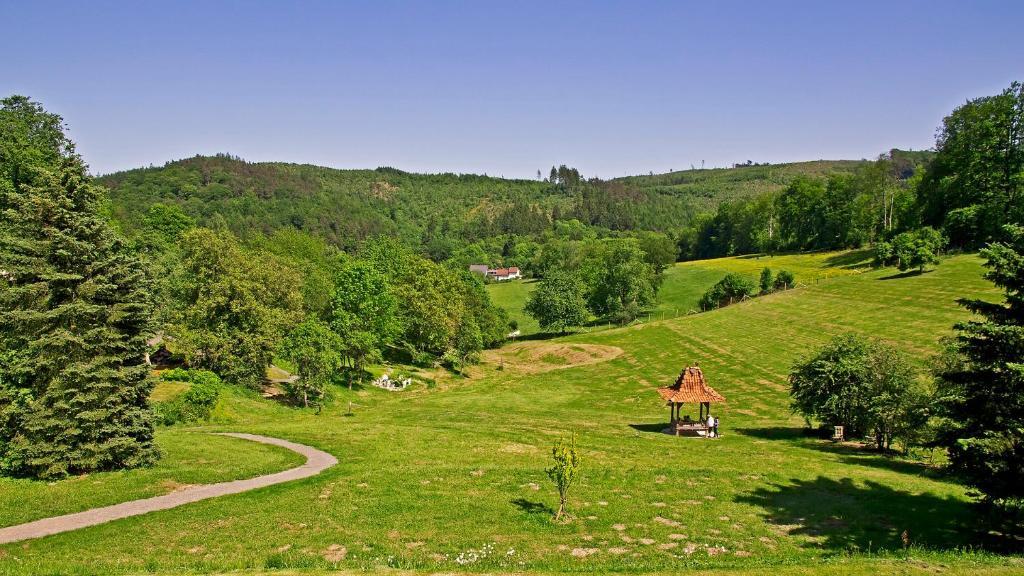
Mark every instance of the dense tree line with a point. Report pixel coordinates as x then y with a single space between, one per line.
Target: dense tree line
975 185
968 190
613 279
233 307
845 210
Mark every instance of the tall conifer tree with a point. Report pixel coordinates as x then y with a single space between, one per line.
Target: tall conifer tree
982 385
75 311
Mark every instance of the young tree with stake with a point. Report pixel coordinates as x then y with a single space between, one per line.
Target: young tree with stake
564 471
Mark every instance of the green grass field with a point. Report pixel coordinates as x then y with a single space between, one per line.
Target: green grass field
188 458
512 296
451 478
684 283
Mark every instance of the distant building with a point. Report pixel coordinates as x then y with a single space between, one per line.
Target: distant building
501 274
496 274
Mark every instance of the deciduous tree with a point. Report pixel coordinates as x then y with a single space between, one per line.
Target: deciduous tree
315 350
232 307
558 302
364 313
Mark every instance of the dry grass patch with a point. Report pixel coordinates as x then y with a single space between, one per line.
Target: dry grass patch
536 357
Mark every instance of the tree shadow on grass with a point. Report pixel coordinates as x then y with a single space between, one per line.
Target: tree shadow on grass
869 456
850 260
532 508
778 432
657 427
907 274
842 516
541 336
848 453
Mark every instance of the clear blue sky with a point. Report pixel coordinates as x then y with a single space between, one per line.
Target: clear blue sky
506 88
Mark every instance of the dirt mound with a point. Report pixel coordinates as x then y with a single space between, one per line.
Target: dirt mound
533 357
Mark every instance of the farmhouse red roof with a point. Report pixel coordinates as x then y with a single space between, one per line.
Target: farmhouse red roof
690 387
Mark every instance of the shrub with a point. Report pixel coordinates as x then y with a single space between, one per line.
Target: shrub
767 280
728 290
915 249
785 280
192 405
883 254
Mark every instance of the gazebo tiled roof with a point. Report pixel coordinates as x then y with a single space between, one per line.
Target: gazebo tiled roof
690 387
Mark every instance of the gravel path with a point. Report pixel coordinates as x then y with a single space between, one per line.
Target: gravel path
316 461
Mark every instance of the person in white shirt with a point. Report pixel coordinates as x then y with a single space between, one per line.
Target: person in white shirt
711 425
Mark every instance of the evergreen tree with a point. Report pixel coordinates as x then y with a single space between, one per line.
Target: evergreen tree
767 280
75 312
982 386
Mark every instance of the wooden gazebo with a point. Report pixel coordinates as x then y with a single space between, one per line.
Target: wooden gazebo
689 388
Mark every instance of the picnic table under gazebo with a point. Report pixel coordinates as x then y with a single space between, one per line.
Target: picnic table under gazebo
689 388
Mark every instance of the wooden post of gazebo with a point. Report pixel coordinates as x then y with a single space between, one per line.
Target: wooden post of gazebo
689 388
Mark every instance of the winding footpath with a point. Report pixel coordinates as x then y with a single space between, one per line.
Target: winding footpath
316 462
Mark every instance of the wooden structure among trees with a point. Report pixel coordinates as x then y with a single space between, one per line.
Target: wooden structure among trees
689 388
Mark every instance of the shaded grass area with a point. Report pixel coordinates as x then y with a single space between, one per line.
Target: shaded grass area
188 458
430 476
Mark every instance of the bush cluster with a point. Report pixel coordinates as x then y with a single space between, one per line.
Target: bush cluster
192 405
915 249
735 287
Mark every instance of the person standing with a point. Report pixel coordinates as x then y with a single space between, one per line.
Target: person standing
716 427
711 426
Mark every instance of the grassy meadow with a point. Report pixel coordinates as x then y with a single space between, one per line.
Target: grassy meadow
451 477
512 296
684 283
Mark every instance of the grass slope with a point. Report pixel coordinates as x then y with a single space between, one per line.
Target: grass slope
512 296
451 477
188 458
685 282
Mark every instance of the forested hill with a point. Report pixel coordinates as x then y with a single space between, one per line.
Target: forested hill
343 206
438 212
707 188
